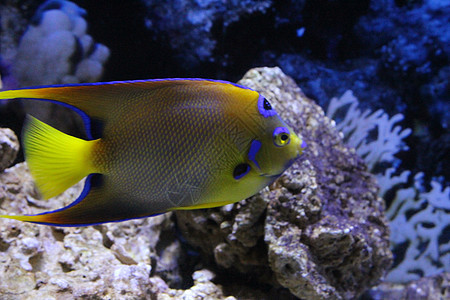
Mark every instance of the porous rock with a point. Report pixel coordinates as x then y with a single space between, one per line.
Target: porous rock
203 288
110 261
426 288
9 147
320 229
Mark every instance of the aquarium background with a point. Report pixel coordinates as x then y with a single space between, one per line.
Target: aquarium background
392 55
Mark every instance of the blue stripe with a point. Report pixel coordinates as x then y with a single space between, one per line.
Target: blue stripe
86 119
254 148
84 193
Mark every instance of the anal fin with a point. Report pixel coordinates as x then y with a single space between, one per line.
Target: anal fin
95 205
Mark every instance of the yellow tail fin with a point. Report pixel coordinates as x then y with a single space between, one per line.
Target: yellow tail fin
56 160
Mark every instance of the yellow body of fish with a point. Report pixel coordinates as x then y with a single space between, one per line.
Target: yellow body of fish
165 144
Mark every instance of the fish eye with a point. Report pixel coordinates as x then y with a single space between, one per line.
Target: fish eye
265 108
281 136
241 170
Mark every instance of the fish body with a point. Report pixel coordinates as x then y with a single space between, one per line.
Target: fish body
165 145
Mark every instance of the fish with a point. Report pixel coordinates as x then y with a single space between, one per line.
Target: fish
154 146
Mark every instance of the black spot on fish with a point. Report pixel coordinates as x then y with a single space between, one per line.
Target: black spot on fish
96 180
267 105
241 170
96 128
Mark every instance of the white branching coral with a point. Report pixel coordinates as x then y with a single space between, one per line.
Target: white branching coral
373 135
419 220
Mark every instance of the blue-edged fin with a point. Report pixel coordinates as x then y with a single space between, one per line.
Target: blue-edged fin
95 205
56 160
98 99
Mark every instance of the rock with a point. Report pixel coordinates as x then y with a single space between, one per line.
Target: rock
432 288
320 229
318 232
203 288
109 261
9 147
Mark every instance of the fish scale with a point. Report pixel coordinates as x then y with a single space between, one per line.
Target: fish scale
177 154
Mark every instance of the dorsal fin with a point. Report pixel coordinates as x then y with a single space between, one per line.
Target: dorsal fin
95 99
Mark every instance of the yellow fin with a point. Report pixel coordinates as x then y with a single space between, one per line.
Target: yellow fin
56 160
22 218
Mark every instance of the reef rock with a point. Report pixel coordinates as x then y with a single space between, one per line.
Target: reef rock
319 232
9 146
434 287
320 229
110 261
203 288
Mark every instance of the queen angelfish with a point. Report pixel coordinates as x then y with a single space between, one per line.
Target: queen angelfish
169 144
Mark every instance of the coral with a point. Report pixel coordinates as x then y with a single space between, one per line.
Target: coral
438 88
406 60
399 58
373 135
414 41
319 229
192 36
418 219
56 48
